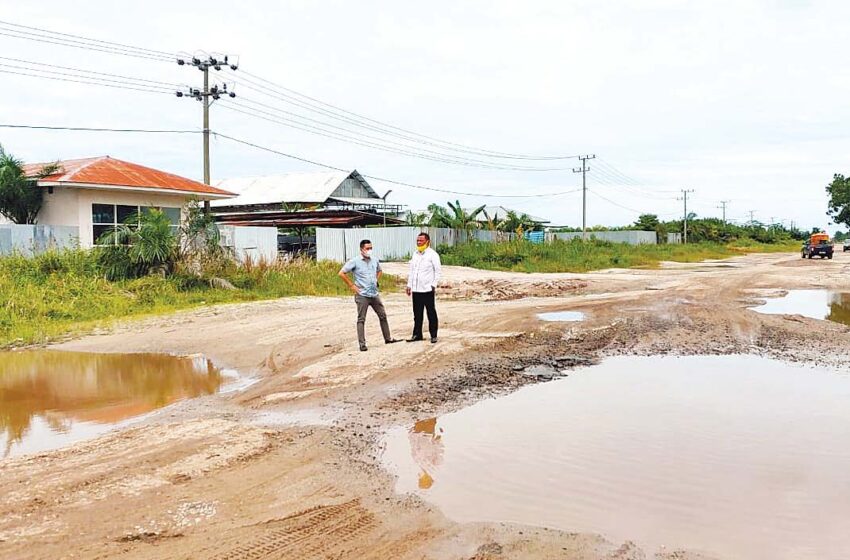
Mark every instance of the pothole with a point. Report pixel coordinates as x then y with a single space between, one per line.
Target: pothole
736 456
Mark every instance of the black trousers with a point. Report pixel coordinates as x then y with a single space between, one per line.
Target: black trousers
423 301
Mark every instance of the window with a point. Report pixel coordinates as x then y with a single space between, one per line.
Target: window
106 217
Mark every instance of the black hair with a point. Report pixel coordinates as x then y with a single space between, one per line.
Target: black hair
365 242
425 235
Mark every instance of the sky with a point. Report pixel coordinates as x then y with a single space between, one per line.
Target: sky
743 101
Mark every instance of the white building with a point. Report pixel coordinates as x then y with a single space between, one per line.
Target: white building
98 193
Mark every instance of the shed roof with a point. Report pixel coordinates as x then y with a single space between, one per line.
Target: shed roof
105 171
289 187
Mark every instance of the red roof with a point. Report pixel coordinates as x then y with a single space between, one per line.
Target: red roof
107 171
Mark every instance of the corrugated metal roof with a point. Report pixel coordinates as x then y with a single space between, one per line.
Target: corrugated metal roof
107 171
289 187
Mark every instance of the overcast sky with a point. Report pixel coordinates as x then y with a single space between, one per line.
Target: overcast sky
740 101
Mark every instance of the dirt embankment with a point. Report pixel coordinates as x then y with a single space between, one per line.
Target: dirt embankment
230 476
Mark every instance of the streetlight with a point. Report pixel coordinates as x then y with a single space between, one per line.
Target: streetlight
385 206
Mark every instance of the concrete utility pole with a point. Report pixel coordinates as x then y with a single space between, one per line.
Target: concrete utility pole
204 97
723 204
583 170
752 217
685 193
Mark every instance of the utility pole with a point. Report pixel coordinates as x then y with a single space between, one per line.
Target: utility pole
752 217
583 170
723 204
685 193
204 97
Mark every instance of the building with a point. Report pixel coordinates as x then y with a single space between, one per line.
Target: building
298 200
96 194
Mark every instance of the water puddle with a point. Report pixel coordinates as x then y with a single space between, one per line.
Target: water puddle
49 399
734 456
815 304
563 316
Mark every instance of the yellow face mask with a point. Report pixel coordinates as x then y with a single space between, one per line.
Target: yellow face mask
421 248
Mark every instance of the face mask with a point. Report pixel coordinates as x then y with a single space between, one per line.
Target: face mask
367 253
421 248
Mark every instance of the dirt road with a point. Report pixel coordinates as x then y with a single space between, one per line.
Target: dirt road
289 468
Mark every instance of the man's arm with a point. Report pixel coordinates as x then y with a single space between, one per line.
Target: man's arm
409 287
438 269
343 273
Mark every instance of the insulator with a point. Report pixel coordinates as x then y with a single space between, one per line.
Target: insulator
181 62
179 94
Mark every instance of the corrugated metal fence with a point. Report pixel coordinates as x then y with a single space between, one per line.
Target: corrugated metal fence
29 240
632 237
394 243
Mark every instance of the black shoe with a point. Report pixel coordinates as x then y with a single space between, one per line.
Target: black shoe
391 341
414 339
433 340
363 348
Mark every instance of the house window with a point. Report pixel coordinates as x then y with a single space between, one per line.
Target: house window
107 217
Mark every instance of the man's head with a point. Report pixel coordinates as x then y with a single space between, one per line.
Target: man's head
423 240
366 248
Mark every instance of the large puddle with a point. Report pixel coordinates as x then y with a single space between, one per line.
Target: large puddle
736 456
50 399
816 304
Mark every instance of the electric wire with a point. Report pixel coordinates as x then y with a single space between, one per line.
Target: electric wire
84 71
99 129
385 179
146 90
92 79
151 51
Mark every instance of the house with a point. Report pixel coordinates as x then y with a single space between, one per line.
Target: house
96 194
298 200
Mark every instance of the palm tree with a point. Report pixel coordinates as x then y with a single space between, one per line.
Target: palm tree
20 197
492 221
518 223
144 243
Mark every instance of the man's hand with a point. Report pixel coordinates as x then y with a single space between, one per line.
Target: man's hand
354 289
407 290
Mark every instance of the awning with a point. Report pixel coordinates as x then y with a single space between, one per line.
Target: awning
320 218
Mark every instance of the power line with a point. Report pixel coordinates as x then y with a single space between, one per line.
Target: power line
87 82
84 71
75 44
93 79
386 180
391 148
113 44
97 129
385 129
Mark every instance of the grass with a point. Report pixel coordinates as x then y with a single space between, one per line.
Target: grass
579 256
54 294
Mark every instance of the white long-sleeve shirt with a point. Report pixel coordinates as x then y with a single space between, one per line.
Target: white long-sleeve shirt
424 271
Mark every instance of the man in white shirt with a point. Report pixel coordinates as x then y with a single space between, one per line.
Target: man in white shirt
422 285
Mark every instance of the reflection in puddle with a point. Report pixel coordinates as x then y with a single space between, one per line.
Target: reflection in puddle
740 457
816 304
49 399
565 316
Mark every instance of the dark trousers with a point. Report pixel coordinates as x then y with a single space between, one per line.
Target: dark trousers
363 305
424 301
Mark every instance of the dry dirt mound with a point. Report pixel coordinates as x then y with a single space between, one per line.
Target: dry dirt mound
491 289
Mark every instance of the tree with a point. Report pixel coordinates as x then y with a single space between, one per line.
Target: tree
454 217
518 223
839 199
143 244
647 222
20 197
492 221
417 219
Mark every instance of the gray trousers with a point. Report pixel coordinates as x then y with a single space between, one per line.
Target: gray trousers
363 305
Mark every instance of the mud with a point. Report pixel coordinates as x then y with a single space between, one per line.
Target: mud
221 477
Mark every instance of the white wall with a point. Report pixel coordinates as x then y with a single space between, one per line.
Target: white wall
70 206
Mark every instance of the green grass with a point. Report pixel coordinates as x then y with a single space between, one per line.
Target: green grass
56 294
578 256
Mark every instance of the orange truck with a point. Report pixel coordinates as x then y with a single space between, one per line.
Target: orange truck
819 244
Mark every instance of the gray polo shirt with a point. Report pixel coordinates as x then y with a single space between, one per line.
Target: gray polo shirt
365 272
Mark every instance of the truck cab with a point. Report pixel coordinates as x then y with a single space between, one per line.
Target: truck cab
818 244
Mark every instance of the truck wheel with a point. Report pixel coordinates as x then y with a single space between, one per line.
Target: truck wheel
829 257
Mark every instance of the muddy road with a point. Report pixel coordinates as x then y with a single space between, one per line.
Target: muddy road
291 467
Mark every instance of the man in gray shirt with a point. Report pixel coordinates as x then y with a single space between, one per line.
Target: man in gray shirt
366 270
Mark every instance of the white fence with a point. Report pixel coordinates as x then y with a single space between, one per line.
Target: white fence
29 240
632 237
393 243
674 238
250 242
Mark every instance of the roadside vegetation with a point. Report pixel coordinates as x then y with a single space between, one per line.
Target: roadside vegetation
579 256
144 268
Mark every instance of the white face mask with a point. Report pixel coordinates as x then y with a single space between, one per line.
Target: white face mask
368 253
